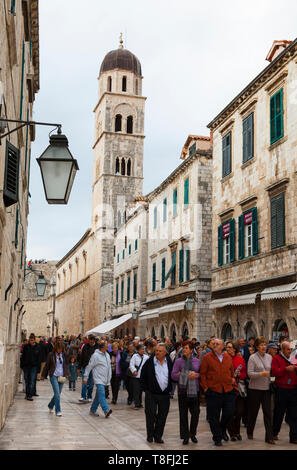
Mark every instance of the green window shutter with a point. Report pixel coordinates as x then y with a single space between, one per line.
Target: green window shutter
136 244
181 265
278 221
118 258
163 272
165 210
123 255
117 293
155 216
26 148
232 240
175 202
276 117
227 168
220 245
241 237
128 288
154 277
255 230
22 81
186 192
130 249
173 272
12 7
22 253
11 176
135 286
248 137
16 236
122 291
173 264
187 265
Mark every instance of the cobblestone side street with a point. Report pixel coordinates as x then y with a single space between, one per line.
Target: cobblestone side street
29 426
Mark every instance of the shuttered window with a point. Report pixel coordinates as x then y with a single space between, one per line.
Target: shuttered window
172 270
130 248
220 245
122 291
117 293
277 208
154 277
227 167
181 266
16 235
12 7
136 245
186 191
248 137
187 265
226 242
175 201
276 117
128 288
135 286
248 233
11 176
163 273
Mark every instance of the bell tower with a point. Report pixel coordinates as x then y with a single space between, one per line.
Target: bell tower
118 156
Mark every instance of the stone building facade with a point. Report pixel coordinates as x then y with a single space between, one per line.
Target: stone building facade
254 284
37 317
19 81
179 255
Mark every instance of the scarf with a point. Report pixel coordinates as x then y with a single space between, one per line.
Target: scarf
187 386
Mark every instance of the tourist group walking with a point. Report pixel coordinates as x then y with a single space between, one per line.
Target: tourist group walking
233 379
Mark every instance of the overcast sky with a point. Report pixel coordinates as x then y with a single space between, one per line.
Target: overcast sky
195 56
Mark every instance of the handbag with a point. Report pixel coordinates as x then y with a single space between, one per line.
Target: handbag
61 379
242 389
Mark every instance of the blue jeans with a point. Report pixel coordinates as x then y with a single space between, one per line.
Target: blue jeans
57 388
30 374
88 388
100 399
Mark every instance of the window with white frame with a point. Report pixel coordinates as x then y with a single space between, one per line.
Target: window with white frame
249 239
226 250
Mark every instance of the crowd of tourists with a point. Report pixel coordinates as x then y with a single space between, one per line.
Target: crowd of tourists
232 379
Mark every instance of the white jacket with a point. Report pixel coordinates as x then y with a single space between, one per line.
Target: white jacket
100 365
135 361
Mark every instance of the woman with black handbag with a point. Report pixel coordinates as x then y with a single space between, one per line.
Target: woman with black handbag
240 375
57 368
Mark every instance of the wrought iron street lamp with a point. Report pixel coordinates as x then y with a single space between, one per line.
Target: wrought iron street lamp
57 165
41 285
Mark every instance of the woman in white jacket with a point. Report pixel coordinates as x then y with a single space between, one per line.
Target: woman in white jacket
100 366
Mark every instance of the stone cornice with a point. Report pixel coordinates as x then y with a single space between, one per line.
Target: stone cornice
122 95
74 286
141 136
267 74
74 248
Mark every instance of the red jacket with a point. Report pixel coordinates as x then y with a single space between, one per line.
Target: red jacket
238 360
215 375
278 369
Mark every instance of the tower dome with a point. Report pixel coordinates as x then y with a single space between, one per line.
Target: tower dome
121 59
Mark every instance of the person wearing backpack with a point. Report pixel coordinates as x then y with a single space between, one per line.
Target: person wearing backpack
137 362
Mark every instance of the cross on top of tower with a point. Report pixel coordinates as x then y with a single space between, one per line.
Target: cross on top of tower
121 42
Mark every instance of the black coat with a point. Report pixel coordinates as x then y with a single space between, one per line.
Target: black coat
148 379
31 356
44 350
86 354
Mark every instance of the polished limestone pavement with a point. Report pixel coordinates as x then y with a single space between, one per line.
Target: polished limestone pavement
29 426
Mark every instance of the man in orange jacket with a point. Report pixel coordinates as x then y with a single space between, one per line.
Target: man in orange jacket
217 380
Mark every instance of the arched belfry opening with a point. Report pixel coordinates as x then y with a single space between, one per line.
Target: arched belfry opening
109 84
117 166
124 83
129 167
130 125
118 123
123 167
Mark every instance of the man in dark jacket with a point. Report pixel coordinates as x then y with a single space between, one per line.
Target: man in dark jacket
84 358
30 363
155 380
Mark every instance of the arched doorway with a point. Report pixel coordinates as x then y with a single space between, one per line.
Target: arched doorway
173 333
250 330
280 328
185 331
162 333
227 332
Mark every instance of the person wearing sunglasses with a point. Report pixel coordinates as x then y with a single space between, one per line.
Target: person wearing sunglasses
57 368
285 374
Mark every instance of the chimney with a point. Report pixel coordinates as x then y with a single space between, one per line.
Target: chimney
276 48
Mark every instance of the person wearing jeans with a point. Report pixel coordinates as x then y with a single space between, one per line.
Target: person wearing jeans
101 367
30 363
57 368
87 388
86 352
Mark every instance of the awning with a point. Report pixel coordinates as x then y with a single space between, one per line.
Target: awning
172 307
280 292
154 313
109 325
247 299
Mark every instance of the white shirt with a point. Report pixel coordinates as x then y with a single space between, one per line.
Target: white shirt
161 371
221 357
59 366
135 361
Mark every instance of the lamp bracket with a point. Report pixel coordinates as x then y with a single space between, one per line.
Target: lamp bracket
27 123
